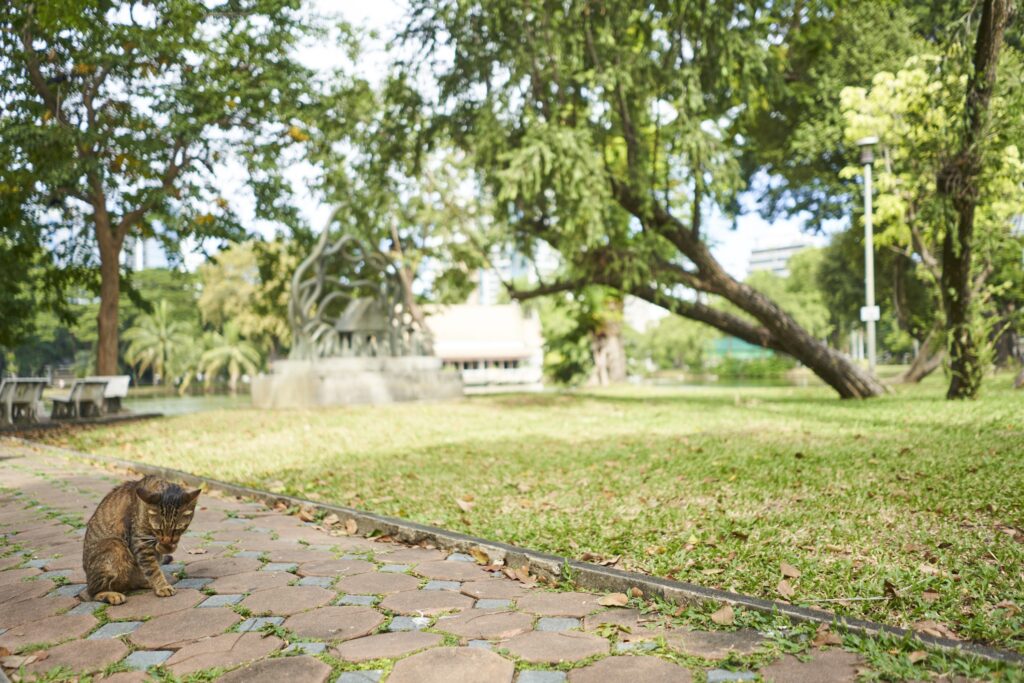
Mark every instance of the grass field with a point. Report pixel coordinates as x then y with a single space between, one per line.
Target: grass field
902 509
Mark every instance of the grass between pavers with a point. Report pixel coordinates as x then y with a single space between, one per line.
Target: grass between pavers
899 509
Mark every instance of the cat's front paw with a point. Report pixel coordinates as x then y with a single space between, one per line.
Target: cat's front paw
164 591
110 597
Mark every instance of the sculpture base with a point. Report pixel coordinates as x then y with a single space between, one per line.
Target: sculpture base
354 381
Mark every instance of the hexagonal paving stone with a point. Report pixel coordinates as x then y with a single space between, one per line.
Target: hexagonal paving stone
631 669
539 676
179 629
14 576
24 591
560 604
450 571
490 625
288 600
81 655
408 623
831 666
441 586
257 623
554 624
714 645
226 651
141 660
30 610
497 589
376 583
251 582
453 665
221 600
114 629
303 668
49 630
149 605
336 568
552 648
300 553
364 676
429 603
223 566
335 623
386 645
400 553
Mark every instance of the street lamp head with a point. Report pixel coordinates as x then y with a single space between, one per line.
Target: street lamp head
867 152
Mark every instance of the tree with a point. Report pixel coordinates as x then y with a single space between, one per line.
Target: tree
958 182
232 285
156 341
916 112
229 351
603 129
121 112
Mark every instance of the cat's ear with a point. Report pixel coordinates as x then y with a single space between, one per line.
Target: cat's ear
148 497
190 496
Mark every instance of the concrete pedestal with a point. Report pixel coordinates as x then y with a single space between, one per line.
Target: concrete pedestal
354 381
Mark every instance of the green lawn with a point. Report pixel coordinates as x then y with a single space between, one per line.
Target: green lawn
899 509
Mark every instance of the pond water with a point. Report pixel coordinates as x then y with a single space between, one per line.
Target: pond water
181 405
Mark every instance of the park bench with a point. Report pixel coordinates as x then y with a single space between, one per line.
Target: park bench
84 400
19 399
117 389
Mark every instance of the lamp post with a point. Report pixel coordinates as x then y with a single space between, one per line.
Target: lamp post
870 313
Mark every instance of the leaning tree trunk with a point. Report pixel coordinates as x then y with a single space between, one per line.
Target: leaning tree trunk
928 359
958 180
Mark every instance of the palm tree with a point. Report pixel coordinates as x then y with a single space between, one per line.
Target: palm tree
155 340
231 352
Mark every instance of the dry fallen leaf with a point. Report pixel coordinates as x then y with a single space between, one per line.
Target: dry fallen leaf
464 505
930 570
307 514
825 637
280 506
917 656
197 551
331 520
636 592
789 571
934 628
613 600
930 596
480 556
351 526
724 616
785 589
711 572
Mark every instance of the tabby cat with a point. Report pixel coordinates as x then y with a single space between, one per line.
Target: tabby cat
126 539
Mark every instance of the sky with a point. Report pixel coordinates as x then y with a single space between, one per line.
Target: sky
731 246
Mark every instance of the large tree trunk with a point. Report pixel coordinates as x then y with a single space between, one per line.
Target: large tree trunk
607 347
110 292
834 368
958 180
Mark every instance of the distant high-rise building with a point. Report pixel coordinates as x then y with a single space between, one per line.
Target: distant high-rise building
140 253
774 259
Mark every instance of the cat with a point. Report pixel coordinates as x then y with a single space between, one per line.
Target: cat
129 534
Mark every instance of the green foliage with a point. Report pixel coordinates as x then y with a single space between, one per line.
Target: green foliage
117 118
156 341
229 352
769 367
233 288
673 343
799 293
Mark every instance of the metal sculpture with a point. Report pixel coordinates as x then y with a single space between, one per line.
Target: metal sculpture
349 299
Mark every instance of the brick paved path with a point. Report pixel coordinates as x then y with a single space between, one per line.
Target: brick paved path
262 596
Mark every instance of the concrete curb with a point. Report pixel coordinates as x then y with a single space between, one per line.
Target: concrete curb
586 575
